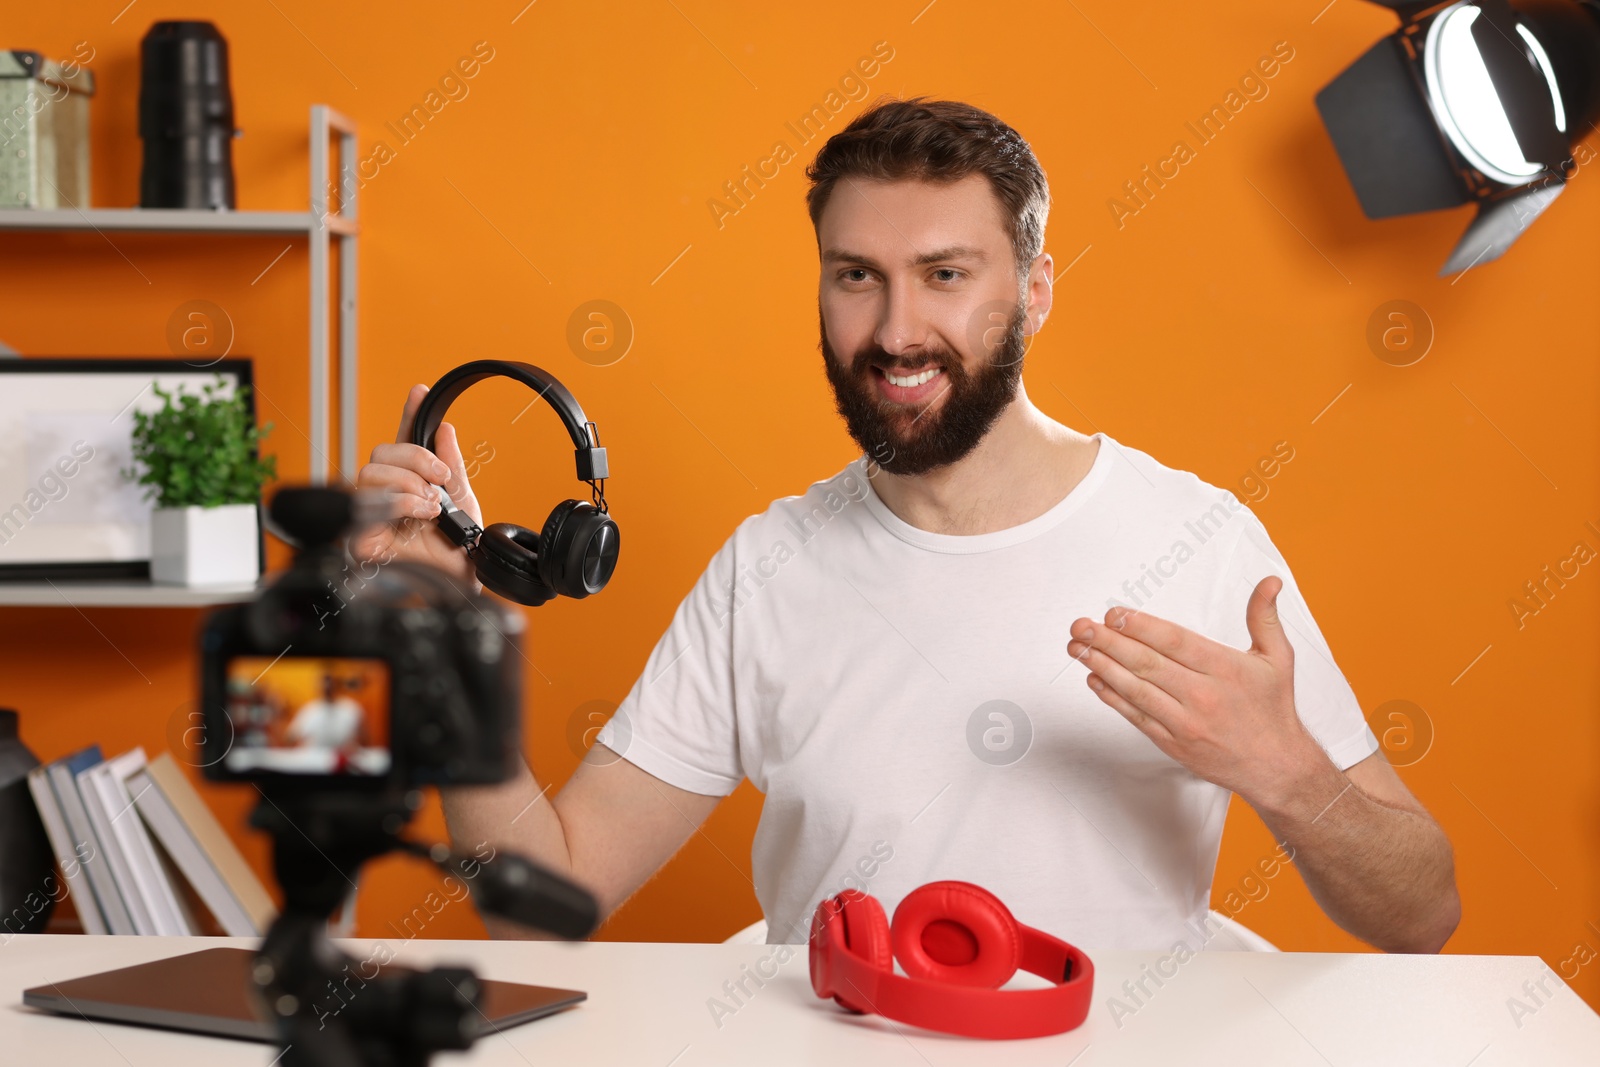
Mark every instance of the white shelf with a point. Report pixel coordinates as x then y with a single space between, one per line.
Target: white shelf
128 593
156 220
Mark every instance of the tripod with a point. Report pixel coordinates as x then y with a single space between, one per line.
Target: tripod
394 1017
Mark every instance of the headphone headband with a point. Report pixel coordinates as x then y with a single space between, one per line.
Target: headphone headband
589 456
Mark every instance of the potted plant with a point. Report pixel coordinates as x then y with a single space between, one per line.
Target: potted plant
199 459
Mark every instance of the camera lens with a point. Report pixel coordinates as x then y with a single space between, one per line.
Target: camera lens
185 117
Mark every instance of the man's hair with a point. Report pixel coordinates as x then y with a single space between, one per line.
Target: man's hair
939 141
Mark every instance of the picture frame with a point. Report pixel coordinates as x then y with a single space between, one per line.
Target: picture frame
66 434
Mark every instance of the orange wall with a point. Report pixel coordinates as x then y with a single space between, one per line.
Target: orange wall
1216 322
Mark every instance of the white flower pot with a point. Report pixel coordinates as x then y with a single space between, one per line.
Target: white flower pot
205 546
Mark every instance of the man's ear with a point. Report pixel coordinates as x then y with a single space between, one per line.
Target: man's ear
1041 292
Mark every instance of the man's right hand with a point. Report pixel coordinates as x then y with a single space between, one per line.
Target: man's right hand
410 474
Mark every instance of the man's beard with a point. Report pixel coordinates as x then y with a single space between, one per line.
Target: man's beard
906 440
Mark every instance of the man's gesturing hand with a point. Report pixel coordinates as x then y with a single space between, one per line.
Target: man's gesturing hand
410 474
1225 714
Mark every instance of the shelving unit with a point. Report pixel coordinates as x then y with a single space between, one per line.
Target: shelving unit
320 226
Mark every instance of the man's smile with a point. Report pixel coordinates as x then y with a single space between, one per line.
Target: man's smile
908 388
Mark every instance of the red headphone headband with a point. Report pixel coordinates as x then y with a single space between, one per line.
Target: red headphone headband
958 944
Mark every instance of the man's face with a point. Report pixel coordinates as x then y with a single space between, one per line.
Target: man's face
923 328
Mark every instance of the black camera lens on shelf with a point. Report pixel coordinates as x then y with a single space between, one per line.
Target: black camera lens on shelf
185 117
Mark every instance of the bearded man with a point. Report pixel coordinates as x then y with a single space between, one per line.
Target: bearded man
992 649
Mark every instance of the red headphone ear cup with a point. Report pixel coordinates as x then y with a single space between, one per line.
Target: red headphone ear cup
866 929
958 933
866 933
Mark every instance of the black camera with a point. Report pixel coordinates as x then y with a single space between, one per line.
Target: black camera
375 676
339 692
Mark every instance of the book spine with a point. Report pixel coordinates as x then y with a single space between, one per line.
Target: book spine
167 826
154 885
81 828
61 843
111 848
214 841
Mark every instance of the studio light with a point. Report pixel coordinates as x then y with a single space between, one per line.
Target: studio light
1476 101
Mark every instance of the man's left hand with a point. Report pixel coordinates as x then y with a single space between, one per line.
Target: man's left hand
1225 714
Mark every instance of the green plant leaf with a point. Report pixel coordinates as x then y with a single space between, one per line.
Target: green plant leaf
200 450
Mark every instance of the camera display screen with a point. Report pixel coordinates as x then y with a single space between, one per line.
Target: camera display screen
310 715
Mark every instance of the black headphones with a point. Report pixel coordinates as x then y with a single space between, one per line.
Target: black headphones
576 551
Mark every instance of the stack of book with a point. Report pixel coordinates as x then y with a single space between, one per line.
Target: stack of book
128 833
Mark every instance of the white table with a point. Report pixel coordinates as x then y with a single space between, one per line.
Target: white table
648 1007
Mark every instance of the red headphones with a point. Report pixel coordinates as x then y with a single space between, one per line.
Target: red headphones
958 945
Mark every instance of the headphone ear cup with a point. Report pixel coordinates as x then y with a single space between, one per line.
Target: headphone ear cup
866 933
578 549
507 562
958 933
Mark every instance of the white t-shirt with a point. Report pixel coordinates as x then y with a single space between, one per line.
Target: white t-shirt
906 701
327 723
